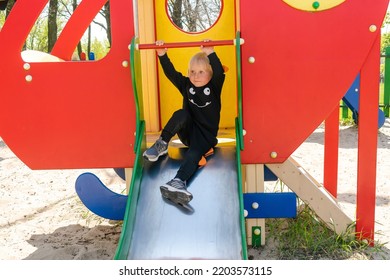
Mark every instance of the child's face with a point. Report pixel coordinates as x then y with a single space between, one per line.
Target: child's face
199 74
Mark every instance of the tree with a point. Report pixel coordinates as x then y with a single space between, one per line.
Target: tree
3 4
385 39
194 15
52 20
52 24
106 14
10 5
175 11
79 48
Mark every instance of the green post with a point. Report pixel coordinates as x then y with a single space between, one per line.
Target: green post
256 237
386 96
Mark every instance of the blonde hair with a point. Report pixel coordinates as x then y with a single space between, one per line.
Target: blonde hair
201 58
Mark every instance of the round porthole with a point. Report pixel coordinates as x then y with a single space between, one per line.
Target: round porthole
194 16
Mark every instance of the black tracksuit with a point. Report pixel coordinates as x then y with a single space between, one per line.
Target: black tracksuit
197 122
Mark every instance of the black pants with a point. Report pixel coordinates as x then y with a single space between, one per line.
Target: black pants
181 123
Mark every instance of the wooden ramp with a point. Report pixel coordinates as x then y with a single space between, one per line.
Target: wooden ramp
312 193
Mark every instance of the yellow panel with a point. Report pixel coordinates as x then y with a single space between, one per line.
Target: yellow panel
148 64
225 28
312 6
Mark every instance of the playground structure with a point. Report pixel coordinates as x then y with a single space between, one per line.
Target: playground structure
294 58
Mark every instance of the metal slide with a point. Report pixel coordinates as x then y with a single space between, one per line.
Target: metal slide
156 229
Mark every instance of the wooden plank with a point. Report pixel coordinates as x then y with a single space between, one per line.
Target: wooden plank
313 194
128 174
146 33
254 183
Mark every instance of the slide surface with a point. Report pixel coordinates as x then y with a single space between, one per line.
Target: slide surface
157 229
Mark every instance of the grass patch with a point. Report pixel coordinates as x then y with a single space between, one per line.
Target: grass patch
308 238
349 121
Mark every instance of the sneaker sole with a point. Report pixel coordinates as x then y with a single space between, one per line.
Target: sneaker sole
175 195
156 158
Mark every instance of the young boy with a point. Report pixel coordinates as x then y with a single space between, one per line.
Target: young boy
197 123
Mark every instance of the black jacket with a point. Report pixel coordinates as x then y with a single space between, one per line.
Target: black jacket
203 103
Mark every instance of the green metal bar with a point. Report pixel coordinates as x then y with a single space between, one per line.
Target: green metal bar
139 147
132 200
240 146
137 85
240 193
240 134
386 95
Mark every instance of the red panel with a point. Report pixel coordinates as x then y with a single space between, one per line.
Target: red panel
304 64
72 114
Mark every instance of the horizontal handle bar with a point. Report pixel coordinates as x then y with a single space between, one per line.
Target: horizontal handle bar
188 44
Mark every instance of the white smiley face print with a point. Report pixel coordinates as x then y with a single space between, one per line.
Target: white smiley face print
201 100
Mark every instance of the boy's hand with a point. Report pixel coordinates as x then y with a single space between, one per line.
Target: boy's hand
161 51
207 49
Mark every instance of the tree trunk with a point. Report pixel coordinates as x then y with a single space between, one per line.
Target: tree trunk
89 41
106 11
3 4
177 13
52 25
79 47
10 5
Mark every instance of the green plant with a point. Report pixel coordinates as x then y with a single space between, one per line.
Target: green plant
308 238
349 121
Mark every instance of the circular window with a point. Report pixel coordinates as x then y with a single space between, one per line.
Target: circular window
194 16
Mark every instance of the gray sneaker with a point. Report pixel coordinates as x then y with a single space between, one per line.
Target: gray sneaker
159 148
176 191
